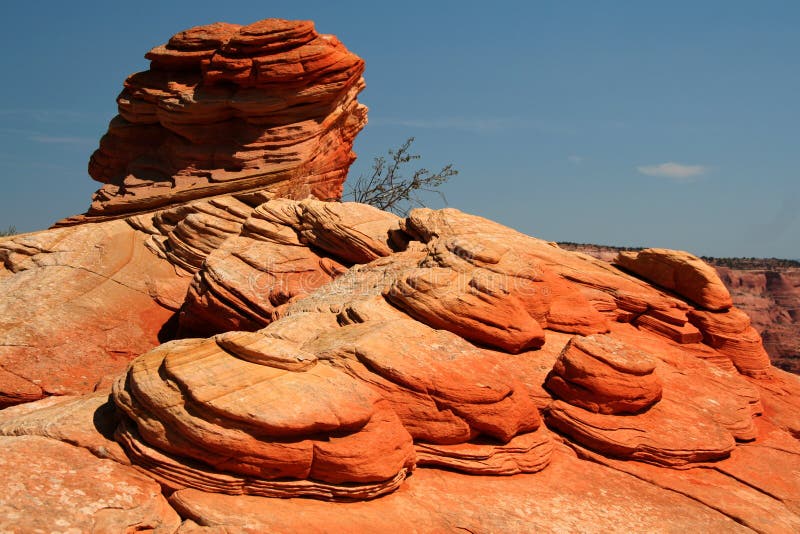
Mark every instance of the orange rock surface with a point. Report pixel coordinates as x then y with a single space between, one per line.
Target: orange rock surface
48 485
227 108
681 272
771 297
603 375
216 357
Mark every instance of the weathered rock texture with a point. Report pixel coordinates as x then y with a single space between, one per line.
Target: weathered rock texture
603 375
681 272
324 351
285 250
47 485
357 373
767 290
77 305
261 412
227 108
607 381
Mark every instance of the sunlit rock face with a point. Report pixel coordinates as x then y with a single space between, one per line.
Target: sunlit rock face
227 117
479 349
227 108
241 361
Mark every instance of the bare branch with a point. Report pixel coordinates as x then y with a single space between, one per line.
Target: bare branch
388 189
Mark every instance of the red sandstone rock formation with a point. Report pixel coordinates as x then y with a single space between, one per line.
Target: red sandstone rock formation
343 392
767 290
258 110
681 272
227 108
342 349
603 375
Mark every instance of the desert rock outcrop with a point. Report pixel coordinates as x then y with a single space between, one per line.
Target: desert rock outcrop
603 375
771 298
259 411
768 290
681 272
217 356
227 108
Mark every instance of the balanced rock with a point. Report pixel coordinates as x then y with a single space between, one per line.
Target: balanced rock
227 108
258 111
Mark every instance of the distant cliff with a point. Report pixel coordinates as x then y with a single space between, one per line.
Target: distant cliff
768 289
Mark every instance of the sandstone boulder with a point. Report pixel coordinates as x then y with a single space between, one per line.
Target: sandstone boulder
603 375
255 415
681 272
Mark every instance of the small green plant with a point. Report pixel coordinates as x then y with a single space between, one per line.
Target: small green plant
388 189
12 230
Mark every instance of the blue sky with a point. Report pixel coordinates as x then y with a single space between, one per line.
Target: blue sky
672 124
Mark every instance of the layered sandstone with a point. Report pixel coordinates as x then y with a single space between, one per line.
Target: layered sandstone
77 305
232 405
603 375
346 387
771 298
768 290
80 302
626 391
440 372
227 108
681 272
261 110
285 250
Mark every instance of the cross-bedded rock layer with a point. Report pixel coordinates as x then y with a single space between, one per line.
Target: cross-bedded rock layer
356 376
227 108
329 350
467 396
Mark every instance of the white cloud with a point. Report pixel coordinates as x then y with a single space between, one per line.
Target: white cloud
577 160
674 171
